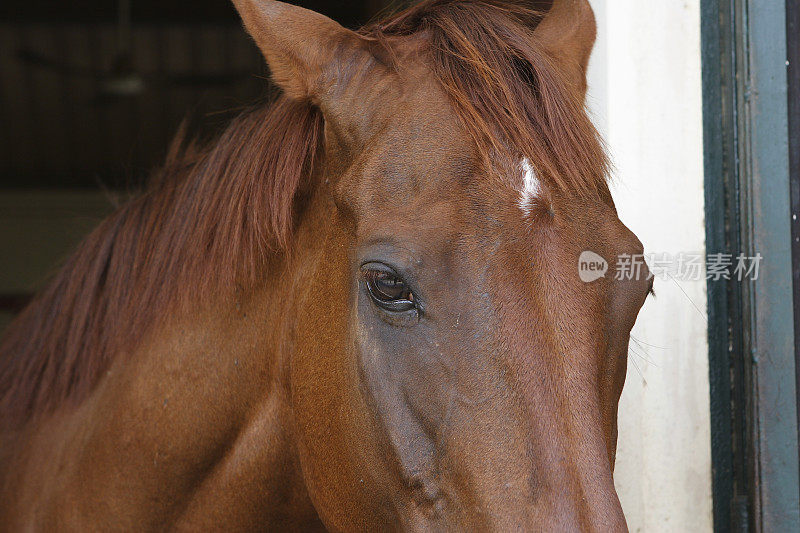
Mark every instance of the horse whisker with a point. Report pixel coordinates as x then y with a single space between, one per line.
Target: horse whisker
705 318
638 370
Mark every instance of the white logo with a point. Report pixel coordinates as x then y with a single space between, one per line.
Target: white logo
591 267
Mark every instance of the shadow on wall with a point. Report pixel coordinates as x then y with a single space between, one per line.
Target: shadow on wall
39 229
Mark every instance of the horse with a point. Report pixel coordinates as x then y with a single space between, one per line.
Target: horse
359 309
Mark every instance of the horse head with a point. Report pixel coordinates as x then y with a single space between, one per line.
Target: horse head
451 367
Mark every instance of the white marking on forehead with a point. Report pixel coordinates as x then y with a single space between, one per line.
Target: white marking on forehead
531 187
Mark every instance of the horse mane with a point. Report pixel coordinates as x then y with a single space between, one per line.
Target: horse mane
508 92
210 218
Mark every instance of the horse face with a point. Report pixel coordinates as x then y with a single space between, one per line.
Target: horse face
488 369
452 369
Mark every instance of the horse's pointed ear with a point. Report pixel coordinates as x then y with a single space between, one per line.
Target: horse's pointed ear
303 48
568 32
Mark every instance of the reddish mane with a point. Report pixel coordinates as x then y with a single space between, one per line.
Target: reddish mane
510 95
209 219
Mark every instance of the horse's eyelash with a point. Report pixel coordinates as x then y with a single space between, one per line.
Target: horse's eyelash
372 274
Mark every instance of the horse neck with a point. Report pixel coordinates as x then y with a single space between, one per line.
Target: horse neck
262 329
207 397
260 332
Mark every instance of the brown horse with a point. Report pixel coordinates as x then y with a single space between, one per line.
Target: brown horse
360 309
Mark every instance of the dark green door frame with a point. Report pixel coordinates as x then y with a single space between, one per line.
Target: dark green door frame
793 75
754 419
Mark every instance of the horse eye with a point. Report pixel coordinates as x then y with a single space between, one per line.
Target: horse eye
388 290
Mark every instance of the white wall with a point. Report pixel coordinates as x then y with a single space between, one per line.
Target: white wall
645 94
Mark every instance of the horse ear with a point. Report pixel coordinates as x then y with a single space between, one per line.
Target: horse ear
303 48
567 32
